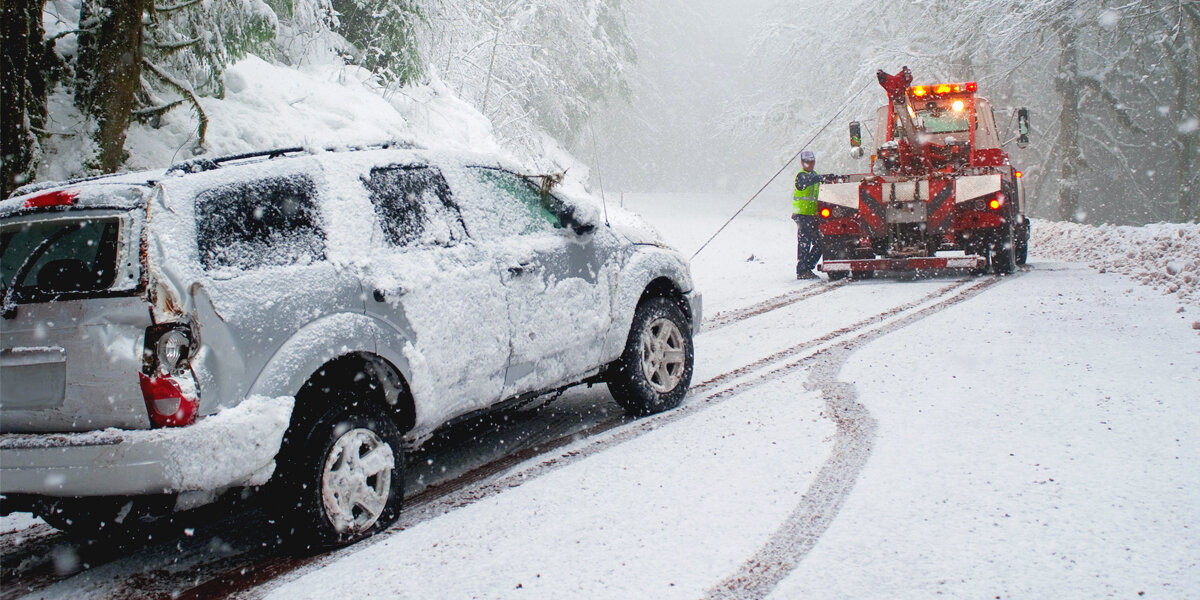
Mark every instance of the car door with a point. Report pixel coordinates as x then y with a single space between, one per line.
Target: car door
557 278
441 296
266 268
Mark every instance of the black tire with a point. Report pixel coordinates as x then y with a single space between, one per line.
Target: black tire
1003 251
659 331
838 249
315 498
1023 244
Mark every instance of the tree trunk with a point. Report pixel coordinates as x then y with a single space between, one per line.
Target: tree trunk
1069 91
23 91
109 72
1188 208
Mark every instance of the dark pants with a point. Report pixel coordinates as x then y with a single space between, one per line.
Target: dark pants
808 243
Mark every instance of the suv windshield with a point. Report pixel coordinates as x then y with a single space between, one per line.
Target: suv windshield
43 259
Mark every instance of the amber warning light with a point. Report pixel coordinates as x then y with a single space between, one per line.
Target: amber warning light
921 91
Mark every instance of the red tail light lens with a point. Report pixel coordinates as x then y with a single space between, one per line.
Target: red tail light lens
825 213
166 401
995 204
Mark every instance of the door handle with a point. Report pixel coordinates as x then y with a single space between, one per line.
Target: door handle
382 296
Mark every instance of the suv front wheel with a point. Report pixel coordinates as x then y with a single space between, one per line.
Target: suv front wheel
655 371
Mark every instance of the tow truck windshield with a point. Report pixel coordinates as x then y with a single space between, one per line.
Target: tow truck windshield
947 116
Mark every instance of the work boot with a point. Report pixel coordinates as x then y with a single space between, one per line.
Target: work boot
806 275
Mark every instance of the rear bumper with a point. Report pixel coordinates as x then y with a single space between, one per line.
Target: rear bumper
902 264
233 448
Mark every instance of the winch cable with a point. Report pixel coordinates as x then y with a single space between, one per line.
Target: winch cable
783 168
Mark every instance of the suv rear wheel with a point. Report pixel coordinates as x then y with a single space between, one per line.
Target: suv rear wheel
655 371
346 480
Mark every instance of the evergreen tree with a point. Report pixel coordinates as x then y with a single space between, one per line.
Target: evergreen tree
24 73
385 34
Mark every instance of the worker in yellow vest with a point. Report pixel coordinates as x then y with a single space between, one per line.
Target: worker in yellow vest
804 213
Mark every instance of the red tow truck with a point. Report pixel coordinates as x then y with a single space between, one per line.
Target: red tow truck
941 195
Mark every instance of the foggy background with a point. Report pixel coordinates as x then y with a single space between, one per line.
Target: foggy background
723 94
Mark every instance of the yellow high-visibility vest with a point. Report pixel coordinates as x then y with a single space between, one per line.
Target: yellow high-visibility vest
805 200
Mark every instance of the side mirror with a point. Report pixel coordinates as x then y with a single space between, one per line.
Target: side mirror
1022 128
856 149
582 228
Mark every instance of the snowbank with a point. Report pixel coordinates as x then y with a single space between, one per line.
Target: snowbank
269 106
272 106
1165 256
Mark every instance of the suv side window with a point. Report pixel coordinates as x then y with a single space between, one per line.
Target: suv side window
414 206
268 222
511 205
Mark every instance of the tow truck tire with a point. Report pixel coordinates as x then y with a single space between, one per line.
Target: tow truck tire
346 478
1023 243
1003 251
655 370
836 249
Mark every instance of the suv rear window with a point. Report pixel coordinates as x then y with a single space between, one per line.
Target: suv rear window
268 222
40 260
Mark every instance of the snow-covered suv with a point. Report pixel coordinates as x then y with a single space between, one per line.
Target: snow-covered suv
300 319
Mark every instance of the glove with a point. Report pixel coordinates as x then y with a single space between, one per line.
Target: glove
806 179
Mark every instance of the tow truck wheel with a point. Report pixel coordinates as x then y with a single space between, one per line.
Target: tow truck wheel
1023 244
1003 251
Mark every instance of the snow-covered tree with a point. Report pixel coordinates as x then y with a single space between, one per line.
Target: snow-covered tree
385 34
532 65
25 67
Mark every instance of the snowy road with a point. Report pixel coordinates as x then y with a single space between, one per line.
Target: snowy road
1026 436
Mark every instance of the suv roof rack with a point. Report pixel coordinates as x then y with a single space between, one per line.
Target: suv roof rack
200 165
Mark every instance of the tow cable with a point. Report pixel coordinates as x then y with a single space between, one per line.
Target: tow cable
783 168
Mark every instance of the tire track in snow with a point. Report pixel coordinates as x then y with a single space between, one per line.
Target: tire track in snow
820 505
808 344
730 317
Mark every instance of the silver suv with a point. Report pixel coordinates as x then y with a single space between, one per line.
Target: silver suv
299 319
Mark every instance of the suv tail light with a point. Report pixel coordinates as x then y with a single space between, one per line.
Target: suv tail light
168 386
167 402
